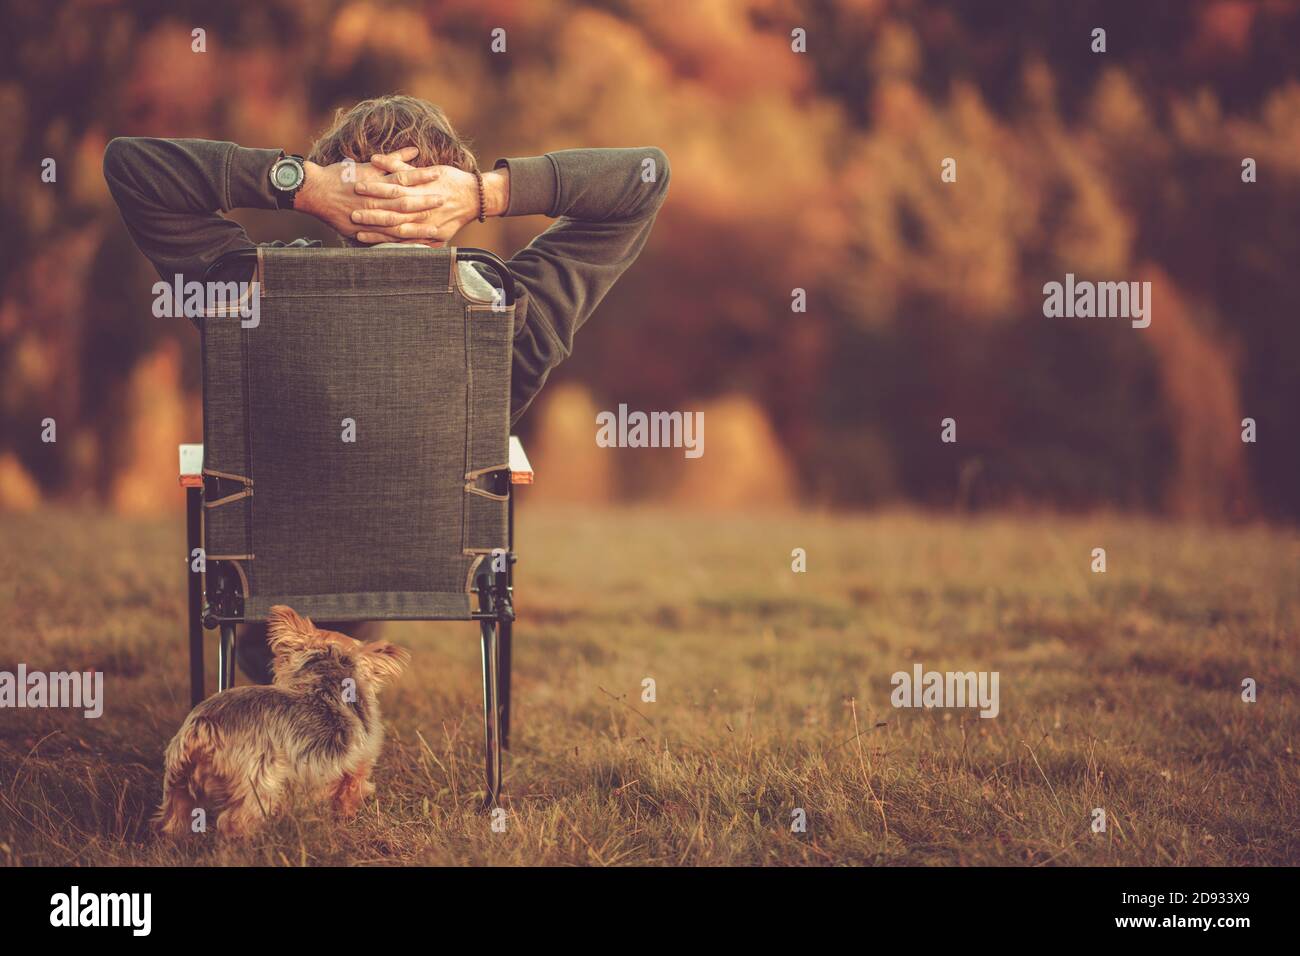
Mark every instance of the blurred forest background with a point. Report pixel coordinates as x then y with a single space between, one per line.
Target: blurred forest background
818 171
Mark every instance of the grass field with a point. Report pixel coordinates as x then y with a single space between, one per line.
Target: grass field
1119 690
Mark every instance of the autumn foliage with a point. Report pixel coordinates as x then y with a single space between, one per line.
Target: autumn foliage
817 171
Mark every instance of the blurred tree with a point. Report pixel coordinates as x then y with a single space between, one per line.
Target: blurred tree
816 170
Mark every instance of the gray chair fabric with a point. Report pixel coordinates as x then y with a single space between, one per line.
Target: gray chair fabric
391 525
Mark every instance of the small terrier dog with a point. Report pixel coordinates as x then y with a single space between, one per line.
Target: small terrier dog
316 728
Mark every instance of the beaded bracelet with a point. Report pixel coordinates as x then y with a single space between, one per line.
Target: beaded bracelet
482 199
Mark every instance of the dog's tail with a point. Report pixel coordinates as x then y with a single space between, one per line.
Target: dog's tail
189 778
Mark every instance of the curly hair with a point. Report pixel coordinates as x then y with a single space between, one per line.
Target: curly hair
388 123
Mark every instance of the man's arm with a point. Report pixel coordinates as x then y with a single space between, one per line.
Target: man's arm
171 193
605 200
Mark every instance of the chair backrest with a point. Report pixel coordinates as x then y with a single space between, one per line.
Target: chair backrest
353 429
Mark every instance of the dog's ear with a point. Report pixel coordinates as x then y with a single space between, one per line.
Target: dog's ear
287 630
383 661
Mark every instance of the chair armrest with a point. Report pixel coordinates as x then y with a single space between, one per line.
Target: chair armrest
191 466
521 471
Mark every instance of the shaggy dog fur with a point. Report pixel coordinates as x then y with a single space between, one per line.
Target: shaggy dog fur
316 728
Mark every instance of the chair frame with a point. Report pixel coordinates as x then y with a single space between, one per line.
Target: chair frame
215 601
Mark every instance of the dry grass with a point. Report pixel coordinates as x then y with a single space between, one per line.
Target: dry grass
1119 691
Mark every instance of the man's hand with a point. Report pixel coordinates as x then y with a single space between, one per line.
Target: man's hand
426 205
329 192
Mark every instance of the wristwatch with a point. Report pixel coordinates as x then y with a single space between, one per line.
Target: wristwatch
287 176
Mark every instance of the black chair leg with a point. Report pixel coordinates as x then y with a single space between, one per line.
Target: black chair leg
193 533
491 709
508 624
506 628
226 658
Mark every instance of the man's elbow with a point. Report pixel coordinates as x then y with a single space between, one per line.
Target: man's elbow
662 166
656 160
115 155
119 158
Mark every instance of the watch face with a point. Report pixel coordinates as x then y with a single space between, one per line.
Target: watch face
286 175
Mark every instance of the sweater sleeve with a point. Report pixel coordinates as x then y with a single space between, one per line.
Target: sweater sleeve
171 193
605 202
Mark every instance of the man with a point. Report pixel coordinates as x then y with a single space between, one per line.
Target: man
393 169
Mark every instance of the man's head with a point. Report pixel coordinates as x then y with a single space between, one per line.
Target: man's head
389 123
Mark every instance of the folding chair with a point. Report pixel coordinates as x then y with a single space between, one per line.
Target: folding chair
357 462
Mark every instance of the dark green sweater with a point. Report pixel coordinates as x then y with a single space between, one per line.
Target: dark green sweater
171 193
